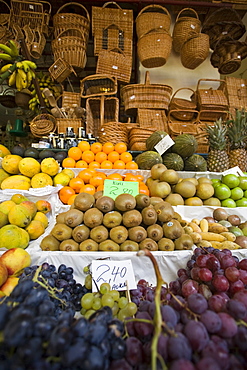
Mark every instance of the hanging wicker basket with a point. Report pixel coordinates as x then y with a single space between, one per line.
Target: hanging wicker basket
195 50
152 17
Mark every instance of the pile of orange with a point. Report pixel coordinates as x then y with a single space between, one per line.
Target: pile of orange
96 155
90 181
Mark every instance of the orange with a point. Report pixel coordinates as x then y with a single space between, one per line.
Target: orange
81 164
100 157
96 180
120 165
113 156
71 199
130 177
65 193
126 157
115 176
106 165
84 145
140 178
68 163
94 164
131 165
88 188
76 184
100 188
96 147
108 147
120 147
143 189
75 153
88 156
86 174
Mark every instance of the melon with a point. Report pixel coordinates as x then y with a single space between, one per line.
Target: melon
154 139
195 163
173 161
148 159
185 145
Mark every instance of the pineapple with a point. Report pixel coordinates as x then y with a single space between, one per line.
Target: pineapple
237 135
217 160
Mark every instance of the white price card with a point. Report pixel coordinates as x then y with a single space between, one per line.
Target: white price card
119 274
164 144
234 171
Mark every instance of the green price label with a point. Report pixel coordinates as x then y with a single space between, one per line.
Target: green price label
112 188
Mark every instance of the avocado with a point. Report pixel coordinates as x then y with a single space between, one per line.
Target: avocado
18 150
46 153
59 156
31 152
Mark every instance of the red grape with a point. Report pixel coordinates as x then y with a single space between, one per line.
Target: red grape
220 283
205 274
229 327
189 287
232 273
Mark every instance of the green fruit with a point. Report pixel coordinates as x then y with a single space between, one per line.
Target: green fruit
185 145
244 231
148 159
154 139
231 180
243 182
229 203
173 161
222 192
242 202
235 230
195 163
237 193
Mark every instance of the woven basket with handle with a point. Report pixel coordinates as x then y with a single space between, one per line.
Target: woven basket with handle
195 50
182 109
152 17
114 132
98 84
115 63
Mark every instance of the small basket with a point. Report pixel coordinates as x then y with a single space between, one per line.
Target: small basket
38 44
195 50
71 37
43 124
154 48
73 55
152 17
5 14
152 118
63 123
236 91
98 84
147 96
115 63
70 98
60 70
100 110
180 108
187 20
138 137
114 132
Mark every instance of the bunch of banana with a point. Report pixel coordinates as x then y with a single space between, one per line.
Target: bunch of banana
9 52
20 73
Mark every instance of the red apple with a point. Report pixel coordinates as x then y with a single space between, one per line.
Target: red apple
43 206
15 260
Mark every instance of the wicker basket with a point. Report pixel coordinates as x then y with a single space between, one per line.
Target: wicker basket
154 48
60 70
115 63
195 50
74 55
100 110
114 132
38 44
147 96
43 124
180 108
98 84
63 123
236 91
138 137
152 118
70 99
187 20
5 13
152 17
62 21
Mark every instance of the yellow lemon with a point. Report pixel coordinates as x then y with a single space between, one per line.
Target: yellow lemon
50 166
29 167
69 172
61 179
41 180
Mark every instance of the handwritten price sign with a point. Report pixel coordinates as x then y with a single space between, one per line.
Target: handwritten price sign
115 273
113 188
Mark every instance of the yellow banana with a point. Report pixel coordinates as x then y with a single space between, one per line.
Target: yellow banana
5 57
12 78
18 81
6 49
5 68
32 73
22 73
14 48
29 78
26 67
31 64
19 65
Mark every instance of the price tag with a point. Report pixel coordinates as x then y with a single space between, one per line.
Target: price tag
164 144
112 188
234 171
119 274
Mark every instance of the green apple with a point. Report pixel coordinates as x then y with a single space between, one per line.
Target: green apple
237 193
235 230
230 180
243 182
242 202
229 203
222 192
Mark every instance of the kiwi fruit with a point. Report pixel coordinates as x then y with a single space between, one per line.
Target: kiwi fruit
105 204
149 244
164 211
98 194
73 217
142 201
155 200
61 232
155 232
132 218
125 202
184 242
99 233
172 229
165 244
109 245
49 243
149 215
129 246
80 233
84 201
118 234
89 245
69 245
60 218
112 219
137 234
93 217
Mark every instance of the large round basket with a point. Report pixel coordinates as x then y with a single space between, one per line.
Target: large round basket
114 132
195 50
43 124
152 17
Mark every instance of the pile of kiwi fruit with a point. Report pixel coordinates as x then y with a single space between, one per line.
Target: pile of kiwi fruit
128 223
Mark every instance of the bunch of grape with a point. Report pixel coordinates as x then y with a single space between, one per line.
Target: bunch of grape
204 321
35 334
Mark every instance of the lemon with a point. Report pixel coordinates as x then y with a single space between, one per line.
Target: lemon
61 179
69 172
50 166
29 167
41 180
4 151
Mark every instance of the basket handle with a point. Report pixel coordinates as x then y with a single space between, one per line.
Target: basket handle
181 88
147 78
210 79
112 2
48 5
117 50
185 111
77 4
154 6
77 29
189 10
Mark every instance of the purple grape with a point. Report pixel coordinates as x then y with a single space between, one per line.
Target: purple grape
194 273
205 291
216 352
211 321
197 335
120 364
232 273
197 303
243 264
182 364
133 354
162 346
207 363
227 261
240 338
236 309
143 330
229 327
241 296
189 287
190 264
205 274
217 303
176 305
182 278
181 272
201 260
213 263
178 347
175 287
237 286
169 315
243 276
220 283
